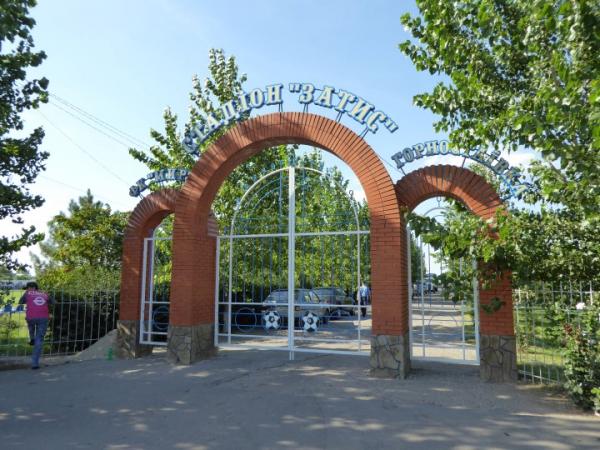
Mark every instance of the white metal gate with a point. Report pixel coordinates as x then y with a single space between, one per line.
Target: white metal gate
290 279
443 327
156 281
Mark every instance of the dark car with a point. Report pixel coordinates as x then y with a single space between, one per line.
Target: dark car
337 296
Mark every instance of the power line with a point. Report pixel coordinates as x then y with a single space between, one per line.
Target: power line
122 134
107 200
390 164
118 141
84 150
78 112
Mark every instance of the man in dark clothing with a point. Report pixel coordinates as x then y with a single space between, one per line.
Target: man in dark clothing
36 315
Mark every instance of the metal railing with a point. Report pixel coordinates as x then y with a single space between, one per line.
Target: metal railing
77 320
541 311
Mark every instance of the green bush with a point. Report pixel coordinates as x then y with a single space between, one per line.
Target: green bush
86 304
582 357
596 399
82 278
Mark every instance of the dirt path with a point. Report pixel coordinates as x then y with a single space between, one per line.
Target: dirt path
260 400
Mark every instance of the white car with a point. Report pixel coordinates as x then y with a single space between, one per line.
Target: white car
304 300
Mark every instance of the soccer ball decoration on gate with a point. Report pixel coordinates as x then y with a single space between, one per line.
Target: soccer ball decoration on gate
310 322
271 320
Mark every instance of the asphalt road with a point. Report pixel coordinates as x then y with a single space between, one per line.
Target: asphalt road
260 400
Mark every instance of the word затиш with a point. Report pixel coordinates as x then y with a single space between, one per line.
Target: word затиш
327 97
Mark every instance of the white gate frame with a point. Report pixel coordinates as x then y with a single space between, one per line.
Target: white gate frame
291 236
148 287
475 284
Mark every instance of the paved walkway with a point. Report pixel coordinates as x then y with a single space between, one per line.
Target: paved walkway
260 400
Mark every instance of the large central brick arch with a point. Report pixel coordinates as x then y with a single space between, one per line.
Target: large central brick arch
498 345
193 278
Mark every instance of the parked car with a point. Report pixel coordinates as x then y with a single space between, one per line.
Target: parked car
424 287
305 300
337 296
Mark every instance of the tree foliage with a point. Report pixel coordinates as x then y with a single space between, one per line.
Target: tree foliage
223 84
319 200
582 362
519 74
20 157
547 245
85 243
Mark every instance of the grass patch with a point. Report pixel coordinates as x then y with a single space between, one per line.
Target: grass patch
14 336
545 362
13 296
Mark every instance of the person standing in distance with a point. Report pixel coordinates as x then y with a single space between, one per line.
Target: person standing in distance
364 293
36 315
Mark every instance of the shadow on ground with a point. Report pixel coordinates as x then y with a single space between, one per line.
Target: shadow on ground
260 400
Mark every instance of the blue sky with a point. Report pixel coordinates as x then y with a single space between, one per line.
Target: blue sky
125 61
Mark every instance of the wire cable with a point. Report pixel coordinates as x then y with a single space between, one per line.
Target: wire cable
83 149
123 134
105 199
111 137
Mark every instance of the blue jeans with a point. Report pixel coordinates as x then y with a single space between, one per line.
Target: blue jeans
37 331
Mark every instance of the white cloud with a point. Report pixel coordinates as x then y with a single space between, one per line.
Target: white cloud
518 158
359 194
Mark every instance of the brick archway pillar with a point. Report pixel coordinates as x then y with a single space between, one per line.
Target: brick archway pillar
498 357
146 216
193 280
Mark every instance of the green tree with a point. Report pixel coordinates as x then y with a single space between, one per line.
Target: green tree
317 199
223 84
20 157
87 240
417 259
7 274
519 74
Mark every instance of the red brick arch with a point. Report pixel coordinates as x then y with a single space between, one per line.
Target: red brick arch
449 181
481 199
192 294
146 216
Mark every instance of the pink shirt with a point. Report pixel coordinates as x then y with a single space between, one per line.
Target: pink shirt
37 305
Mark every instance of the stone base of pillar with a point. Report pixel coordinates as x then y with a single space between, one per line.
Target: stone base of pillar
390 356
127 344
498 358
187 345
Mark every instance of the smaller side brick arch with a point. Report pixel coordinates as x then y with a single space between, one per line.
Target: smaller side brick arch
449 181
146 216
498 346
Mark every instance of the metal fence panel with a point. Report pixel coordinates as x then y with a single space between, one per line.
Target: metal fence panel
77 320
541 310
